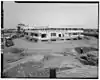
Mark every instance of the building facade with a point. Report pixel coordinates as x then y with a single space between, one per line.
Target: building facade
53 34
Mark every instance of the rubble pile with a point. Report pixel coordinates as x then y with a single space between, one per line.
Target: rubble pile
87 55
90 58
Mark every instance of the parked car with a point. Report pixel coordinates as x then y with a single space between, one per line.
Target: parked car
14 36
21 35
9 42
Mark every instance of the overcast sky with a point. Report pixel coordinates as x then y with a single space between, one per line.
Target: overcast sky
53 14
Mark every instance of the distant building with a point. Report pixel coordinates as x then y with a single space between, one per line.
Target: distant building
48 34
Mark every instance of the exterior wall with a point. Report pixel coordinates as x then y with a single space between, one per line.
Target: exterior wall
65 34
49 34
29 34
44 32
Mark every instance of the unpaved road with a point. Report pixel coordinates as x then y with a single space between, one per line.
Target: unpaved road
57 60
54 46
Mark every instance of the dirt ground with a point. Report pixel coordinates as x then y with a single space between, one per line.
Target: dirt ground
54 46
51 55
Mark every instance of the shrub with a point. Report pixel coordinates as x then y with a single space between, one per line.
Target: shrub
89 58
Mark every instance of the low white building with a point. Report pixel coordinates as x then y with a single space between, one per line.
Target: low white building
47 34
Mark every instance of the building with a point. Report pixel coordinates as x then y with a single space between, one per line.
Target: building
53 34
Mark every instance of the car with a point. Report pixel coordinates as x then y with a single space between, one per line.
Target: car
21 35
9 42
14 36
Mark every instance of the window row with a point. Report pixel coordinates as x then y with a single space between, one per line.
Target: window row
52 34
58 29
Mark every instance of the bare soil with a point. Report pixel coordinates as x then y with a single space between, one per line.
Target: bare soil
60 55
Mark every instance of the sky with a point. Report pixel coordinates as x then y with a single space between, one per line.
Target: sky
53 14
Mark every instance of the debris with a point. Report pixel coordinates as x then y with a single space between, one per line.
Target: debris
82 50
89 58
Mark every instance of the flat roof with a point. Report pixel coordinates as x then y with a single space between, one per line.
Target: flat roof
56 29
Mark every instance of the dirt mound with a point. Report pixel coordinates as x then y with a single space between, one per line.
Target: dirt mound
89 58
13 55
93 53
28 69
85 49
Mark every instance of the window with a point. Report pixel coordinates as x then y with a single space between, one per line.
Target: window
58 28
59 35
74 28
74 33
53 34
43 35
35 34
66 28
62 29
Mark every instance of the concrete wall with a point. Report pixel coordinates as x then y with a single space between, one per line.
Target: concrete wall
48 33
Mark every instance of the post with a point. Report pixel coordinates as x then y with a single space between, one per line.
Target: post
52 73
81 50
